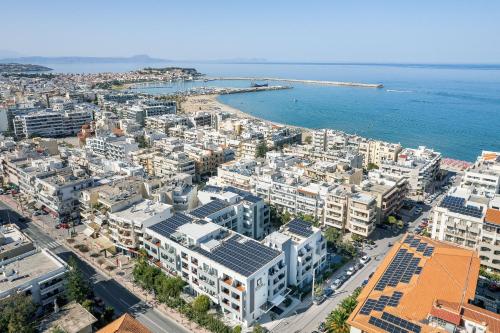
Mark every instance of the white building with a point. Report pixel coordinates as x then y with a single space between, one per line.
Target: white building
420 166
234 271
126 226
51 124
305 250
248 214
483 177
111 147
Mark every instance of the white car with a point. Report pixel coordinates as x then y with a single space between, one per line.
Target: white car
364 260
351 271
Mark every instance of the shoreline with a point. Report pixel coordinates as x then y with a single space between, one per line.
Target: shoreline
210 103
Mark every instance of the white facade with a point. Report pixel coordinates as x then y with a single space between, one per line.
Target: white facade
235 272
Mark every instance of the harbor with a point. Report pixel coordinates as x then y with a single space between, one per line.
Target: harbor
320 82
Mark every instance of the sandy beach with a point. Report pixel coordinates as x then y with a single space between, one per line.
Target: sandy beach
209 103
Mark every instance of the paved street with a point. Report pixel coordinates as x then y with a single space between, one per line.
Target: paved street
110 291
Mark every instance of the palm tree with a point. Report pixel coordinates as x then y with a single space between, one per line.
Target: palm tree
336 322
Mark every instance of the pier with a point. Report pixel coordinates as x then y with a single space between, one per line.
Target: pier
326 83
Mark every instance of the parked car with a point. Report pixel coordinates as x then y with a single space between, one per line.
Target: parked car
389 244
322 327
364 259
350 271
64 225
328 291
358 266
319 299
336 284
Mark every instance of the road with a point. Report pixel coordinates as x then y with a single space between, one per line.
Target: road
110 291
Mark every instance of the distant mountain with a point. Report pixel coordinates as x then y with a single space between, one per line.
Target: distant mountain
22 68
142 58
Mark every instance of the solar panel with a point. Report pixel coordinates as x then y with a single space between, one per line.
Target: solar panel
401 269
368 307
241 255
405 324
457 205
209 208
386 326
429 251
169 226
245 194
299 227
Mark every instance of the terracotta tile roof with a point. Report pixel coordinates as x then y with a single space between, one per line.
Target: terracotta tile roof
447 311
125 324
492 216
450 274
481 316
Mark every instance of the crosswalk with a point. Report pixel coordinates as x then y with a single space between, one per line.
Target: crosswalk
49 245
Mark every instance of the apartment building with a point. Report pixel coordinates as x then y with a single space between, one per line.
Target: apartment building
58 192
126 227
468 220
234 271
420 166
51 124
248 214
112 147
407 294
347 209
389 192
483 177
235 173
150 108
25 269
163 123
177 162
206 159
110 196
305 251
292 194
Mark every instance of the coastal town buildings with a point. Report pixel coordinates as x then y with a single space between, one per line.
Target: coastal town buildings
420 166
393 300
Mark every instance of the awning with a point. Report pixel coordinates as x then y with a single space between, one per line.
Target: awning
88 232
278 300
104 244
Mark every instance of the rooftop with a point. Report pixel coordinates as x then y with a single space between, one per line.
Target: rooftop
125 324
28 268
142 211
299 228
492 216
415 273
71 318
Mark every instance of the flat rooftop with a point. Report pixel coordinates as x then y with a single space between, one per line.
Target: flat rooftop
416 273
142 211
29 268
71 318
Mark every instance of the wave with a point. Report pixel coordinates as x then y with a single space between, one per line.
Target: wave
399 91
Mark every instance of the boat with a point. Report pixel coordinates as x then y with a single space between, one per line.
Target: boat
259 85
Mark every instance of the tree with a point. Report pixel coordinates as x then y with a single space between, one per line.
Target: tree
337 321
333 236
237 329
257 329
391 220
16 314
78 288
261 149
308 140
107 316
88 304
201 304
371 166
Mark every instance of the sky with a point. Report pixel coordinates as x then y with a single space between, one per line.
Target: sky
423 31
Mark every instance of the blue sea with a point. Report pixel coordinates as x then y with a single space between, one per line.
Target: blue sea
454 109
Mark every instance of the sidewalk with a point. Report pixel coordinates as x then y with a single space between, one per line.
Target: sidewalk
113 273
